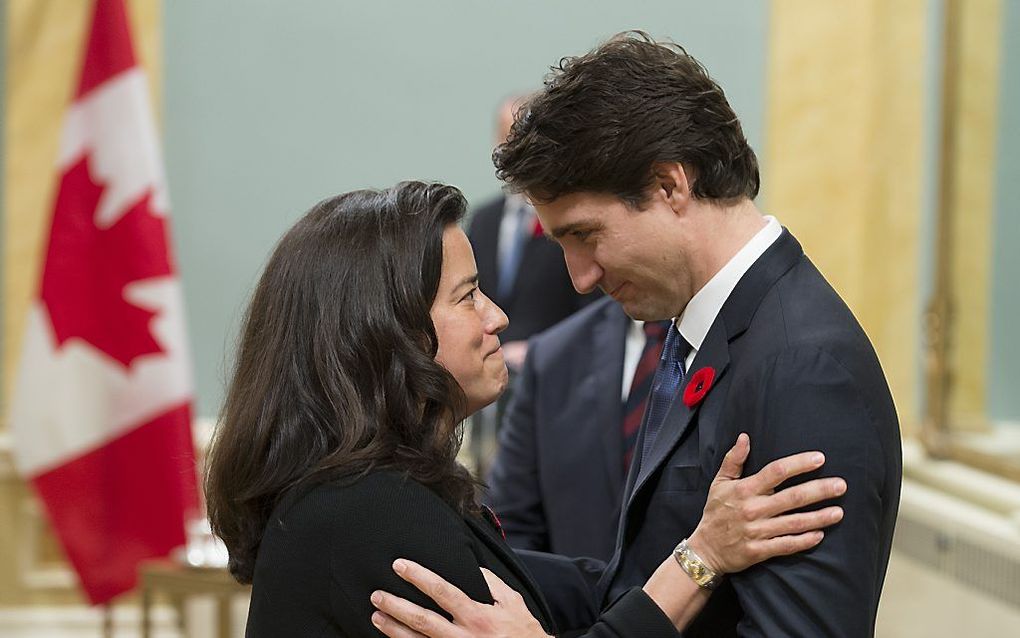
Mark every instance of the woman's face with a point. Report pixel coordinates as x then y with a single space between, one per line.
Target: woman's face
467 323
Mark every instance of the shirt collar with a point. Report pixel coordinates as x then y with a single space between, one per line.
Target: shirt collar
704 306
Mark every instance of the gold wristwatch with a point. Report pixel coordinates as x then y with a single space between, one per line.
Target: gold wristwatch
700 573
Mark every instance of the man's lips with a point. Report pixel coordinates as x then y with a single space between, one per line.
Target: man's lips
498 348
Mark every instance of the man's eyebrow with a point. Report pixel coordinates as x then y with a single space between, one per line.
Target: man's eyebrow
560 231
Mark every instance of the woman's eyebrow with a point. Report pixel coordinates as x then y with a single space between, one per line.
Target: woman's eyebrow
470 279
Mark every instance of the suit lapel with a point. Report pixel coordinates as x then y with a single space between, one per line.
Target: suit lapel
487 247
733 319
494 540
714 354
607 344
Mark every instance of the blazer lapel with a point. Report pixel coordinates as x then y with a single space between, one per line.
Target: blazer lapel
607 344
714 353
494 540
733 319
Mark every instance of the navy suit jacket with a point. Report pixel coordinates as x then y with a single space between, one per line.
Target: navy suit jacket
557 479
542 292
793 369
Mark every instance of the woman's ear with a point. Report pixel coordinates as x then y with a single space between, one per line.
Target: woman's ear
673 183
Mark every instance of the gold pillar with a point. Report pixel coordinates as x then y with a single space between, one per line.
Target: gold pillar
844 159
970 207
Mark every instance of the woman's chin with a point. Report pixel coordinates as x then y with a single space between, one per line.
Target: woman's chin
491 397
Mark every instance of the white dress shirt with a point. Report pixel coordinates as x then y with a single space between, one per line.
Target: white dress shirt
704 306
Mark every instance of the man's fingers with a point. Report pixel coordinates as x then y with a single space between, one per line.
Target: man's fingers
799 523
733 463
393 628
500 591
417 621
432 585
799 496
780 470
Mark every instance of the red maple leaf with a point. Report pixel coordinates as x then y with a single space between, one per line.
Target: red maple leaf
87 269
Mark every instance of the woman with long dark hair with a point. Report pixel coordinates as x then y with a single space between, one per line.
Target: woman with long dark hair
366 344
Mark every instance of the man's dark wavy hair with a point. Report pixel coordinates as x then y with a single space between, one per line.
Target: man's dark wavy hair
605 118
335 372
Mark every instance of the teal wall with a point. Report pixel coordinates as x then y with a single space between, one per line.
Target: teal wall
1004 354
3 211
270 106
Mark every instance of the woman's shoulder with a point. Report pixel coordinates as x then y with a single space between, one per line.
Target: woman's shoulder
386 495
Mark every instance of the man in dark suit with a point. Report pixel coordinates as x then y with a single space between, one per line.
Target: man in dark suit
573 421
518 267
640 170
523 272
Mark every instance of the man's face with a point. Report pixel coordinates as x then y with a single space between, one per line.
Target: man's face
634 256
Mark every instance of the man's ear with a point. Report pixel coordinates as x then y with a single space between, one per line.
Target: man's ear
673 184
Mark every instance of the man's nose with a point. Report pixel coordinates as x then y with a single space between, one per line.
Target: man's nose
585 272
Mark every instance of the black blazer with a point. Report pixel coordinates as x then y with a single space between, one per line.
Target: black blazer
557 479
542 292
326 550
794 369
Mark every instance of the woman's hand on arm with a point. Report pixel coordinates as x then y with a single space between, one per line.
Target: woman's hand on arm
745 521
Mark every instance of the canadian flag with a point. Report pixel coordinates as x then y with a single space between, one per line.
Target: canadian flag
102 407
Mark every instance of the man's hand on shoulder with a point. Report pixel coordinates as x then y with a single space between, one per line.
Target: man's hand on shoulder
507 617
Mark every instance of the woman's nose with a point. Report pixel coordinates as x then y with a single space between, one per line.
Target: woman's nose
496 320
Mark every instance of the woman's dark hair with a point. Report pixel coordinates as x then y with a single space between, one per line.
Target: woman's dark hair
335 372
605 118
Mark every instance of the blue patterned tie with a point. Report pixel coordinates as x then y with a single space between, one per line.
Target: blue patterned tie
669 376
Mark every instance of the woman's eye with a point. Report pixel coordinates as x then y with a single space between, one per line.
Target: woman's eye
471 295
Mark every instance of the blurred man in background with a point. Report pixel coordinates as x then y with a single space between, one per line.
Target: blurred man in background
523 272
567 439
518 267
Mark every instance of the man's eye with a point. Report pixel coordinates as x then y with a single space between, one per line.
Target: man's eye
581 235
471 294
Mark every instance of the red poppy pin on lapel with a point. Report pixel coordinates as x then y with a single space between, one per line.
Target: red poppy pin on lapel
491 515
698 386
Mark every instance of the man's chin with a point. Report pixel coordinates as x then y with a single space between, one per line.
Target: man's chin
643 312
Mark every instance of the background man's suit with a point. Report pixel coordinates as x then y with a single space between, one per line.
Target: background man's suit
558 477
796 372
542 293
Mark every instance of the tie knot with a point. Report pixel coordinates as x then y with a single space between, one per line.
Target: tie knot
676 347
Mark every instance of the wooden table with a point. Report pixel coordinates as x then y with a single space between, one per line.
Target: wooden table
178 582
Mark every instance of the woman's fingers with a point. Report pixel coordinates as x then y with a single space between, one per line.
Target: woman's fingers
798 523
781 470
733 463
803 495
785 545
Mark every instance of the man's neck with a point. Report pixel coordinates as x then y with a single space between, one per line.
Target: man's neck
726 230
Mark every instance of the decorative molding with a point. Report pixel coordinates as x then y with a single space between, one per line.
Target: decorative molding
80 621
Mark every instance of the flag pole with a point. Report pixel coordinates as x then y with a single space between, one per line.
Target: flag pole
107 620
